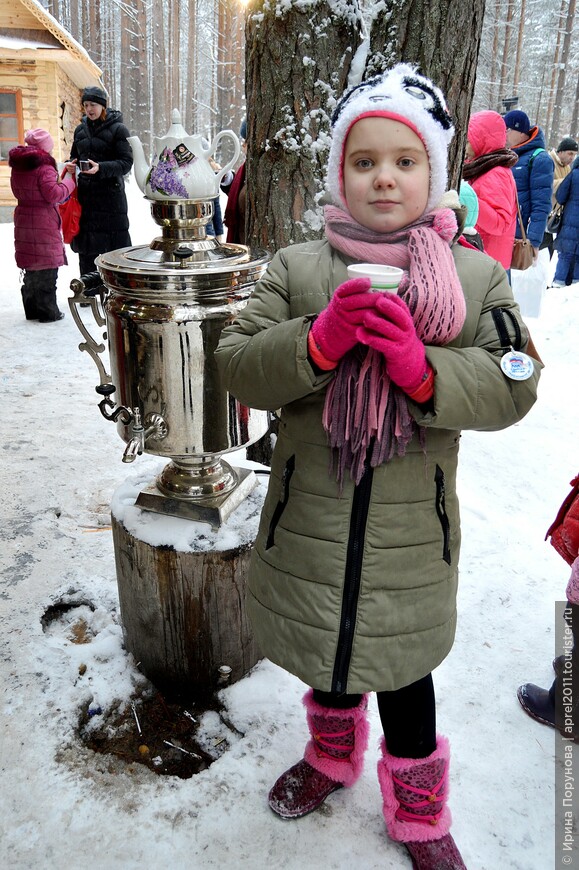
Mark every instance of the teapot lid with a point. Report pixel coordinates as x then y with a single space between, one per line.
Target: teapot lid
176 130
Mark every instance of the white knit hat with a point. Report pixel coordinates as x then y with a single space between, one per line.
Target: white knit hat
404 95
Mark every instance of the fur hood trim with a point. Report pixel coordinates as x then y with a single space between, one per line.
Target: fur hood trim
28 157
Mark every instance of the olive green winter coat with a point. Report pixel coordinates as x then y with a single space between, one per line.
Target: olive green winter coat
358 592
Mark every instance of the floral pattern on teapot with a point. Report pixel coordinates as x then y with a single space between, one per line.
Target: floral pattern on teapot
162 177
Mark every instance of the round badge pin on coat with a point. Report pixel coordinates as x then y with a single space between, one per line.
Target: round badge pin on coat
517 365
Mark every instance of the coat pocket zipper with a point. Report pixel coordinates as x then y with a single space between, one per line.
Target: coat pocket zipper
283 500
441 512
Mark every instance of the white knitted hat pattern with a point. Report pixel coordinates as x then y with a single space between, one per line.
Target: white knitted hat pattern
402 92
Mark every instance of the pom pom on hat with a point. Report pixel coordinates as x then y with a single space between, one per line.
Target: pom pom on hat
94 95
405 95
567 144
39 138
517 120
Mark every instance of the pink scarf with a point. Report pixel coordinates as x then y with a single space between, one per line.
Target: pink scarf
366 417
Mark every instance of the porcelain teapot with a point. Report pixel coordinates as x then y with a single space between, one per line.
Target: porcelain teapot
180 168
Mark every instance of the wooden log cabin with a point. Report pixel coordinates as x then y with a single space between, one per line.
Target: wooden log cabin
42 73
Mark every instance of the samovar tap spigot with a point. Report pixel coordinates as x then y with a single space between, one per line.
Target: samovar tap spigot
137 443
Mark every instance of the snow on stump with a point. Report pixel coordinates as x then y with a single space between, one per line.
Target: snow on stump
182 594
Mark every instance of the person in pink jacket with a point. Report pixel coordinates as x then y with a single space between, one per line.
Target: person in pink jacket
487 168
39 248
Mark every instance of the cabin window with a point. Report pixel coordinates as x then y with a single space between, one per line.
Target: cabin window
11 125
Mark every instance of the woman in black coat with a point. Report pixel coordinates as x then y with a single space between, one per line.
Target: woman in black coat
104 157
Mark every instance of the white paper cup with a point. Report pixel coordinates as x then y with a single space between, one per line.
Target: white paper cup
383 278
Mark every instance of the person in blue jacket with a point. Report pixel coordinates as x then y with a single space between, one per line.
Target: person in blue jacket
567 240
533 175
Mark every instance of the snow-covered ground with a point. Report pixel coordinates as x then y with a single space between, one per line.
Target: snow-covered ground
61 806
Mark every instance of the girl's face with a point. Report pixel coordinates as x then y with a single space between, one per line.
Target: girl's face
469 151
92 110
386 174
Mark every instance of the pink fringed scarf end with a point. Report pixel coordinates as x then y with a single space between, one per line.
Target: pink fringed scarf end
365 415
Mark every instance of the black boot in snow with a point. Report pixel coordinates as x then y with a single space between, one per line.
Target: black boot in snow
537 703
559 665
58 316
39 295
29 303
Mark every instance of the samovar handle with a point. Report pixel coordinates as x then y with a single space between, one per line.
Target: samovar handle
85 291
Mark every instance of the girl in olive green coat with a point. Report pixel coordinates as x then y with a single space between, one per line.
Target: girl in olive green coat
354 573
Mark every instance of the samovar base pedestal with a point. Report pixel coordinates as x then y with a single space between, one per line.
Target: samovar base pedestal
214 509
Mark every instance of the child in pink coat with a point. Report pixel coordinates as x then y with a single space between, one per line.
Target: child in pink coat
38 243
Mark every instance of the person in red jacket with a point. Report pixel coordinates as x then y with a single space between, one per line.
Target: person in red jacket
234 186
559 705
39 248
487 168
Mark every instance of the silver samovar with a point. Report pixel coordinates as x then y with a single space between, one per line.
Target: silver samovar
163 307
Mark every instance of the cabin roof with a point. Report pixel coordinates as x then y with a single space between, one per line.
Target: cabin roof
28 31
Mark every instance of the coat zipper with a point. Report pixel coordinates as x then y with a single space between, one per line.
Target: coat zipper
441 511
353 574
282 502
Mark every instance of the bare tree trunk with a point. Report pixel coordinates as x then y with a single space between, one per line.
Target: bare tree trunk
174 101
230 66
516 73
125 57
134 102
550 104
506 49
297 63
190 82
159 60
106 53
495 57
238 73
575 118
431 35
560 95
223 61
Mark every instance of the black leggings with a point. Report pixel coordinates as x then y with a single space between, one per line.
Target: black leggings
408 716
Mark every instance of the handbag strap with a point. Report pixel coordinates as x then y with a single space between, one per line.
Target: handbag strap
523 233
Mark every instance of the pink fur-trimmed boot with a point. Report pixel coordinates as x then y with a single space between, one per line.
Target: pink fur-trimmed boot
414 792
333 758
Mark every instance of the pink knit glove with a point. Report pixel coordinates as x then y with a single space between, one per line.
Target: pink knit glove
390 330
334 329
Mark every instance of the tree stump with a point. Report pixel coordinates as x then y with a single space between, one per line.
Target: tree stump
183 614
